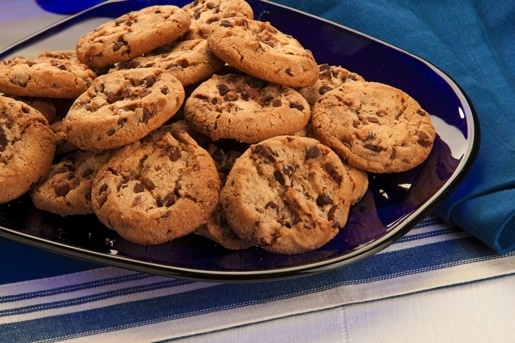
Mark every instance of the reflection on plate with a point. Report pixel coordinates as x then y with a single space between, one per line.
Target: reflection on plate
393 204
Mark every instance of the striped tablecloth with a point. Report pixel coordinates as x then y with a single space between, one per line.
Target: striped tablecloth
111 304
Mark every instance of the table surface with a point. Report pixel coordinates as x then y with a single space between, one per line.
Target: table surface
463 293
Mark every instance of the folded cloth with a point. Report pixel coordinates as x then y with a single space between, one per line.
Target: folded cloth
473 42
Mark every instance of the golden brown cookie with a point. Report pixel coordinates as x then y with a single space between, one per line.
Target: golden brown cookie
245 109
288 194
261 50
206 13
157 189
329 77
216 228
132 35
27 146
190 61
374 127
46 76
66 188
121 107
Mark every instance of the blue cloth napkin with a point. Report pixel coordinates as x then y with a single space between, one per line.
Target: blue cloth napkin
474 43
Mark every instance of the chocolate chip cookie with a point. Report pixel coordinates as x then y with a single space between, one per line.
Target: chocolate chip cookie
245 108
329 77
216 228
45 76
132 35
27 146
287 194
121 107
374 127
261 50
206 13
66 188
157 189
190 61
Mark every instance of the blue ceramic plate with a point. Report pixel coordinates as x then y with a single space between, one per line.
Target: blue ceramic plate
393 205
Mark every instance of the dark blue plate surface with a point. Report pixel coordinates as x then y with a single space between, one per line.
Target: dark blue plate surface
393 205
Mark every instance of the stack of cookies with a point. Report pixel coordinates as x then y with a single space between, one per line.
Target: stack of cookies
172 121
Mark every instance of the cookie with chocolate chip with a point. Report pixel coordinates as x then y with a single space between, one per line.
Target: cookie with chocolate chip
288 195
216 228
206 13
45 76
66 188
374 127
122 107
190 61
245 108
132 35
261 50
157 189
329 77
27 145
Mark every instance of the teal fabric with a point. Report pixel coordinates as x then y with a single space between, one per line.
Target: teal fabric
474 43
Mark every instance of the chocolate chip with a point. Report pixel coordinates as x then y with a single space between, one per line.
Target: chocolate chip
393 155
223 89
65 168
333 172
174 153
324 89
102 200
276 103
423 139
129 64
146 115
168 200
62 188
139 187
118 45
297 106
288 170
324 67
102 189
122 121
148 81
86 174
373 147
3 141
254 82
279 177
324 199
155 136
264 152
165 90
272 205
288 72
312 152
111 132
225 23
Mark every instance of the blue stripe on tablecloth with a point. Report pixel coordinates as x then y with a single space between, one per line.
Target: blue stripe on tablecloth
73 288
387 265
91 298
